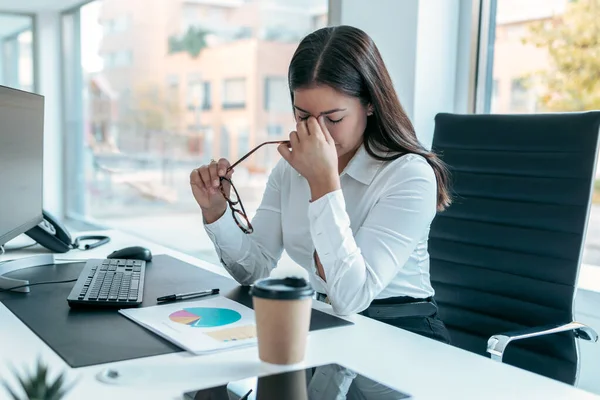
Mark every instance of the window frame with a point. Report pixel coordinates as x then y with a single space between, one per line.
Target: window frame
34 44
483 41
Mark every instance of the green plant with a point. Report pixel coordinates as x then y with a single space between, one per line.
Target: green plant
192 42
36 385
572 42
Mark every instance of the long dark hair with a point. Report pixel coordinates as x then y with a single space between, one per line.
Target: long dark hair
346 59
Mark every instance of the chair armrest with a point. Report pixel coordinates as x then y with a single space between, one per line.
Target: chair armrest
497 343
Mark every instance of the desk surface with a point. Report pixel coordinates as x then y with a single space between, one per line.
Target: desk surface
405 361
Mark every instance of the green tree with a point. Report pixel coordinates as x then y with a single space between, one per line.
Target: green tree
572 41
155 108
192 42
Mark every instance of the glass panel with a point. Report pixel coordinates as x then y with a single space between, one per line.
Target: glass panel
171 84
16 52
546 59
234 93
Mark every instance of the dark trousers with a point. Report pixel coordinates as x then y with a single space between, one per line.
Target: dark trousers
430 326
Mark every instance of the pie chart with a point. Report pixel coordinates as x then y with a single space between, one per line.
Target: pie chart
205 317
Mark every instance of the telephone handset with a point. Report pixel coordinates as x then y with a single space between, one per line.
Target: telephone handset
53 235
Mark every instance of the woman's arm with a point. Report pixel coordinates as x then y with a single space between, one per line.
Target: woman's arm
356 269
248 257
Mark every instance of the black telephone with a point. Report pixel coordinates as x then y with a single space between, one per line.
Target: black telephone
53 235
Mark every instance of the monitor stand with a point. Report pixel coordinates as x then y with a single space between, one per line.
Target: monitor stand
21 263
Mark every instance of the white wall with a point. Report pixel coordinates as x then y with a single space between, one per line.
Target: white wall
393 26
419 42
464 59
435 77
49 84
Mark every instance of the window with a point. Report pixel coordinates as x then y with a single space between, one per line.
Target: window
225 143
16 54
243 140
541 62
194 91
155 115
519 95
172 88
199 93
208 145
277 94
234 93
206 102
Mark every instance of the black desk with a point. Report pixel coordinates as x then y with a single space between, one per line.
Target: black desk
96 336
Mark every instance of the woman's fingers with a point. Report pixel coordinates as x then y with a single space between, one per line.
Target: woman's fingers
284 150
294 140
315 128
222 167
302 130
205 177
196 179
214 181
324 130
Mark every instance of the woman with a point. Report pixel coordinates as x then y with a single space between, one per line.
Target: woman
353 197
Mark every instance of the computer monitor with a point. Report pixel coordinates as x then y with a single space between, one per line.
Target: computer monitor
21 161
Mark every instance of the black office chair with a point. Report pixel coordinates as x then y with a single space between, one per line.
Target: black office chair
505 256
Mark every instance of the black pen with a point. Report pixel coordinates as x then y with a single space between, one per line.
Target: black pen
185 296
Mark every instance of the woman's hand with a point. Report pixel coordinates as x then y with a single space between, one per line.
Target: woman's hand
205 182
312 153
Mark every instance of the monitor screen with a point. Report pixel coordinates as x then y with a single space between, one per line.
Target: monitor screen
21 162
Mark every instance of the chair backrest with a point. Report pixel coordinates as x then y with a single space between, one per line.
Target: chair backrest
506 254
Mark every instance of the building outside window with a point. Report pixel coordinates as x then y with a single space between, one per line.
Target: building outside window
543 60
162 127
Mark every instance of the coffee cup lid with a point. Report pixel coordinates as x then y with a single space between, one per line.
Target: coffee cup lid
282 289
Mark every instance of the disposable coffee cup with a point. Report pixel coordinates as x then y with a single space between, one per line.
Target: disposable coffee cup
282 308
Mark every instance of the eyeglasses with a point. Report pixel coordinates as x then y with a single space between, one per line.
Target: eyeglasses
233 199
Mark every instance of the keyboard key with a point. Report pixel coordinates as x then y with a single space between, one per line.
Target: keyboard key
105 262
129 262
135 284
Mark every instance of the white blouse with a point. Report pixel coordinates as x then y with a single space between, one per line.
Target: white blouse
371 236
